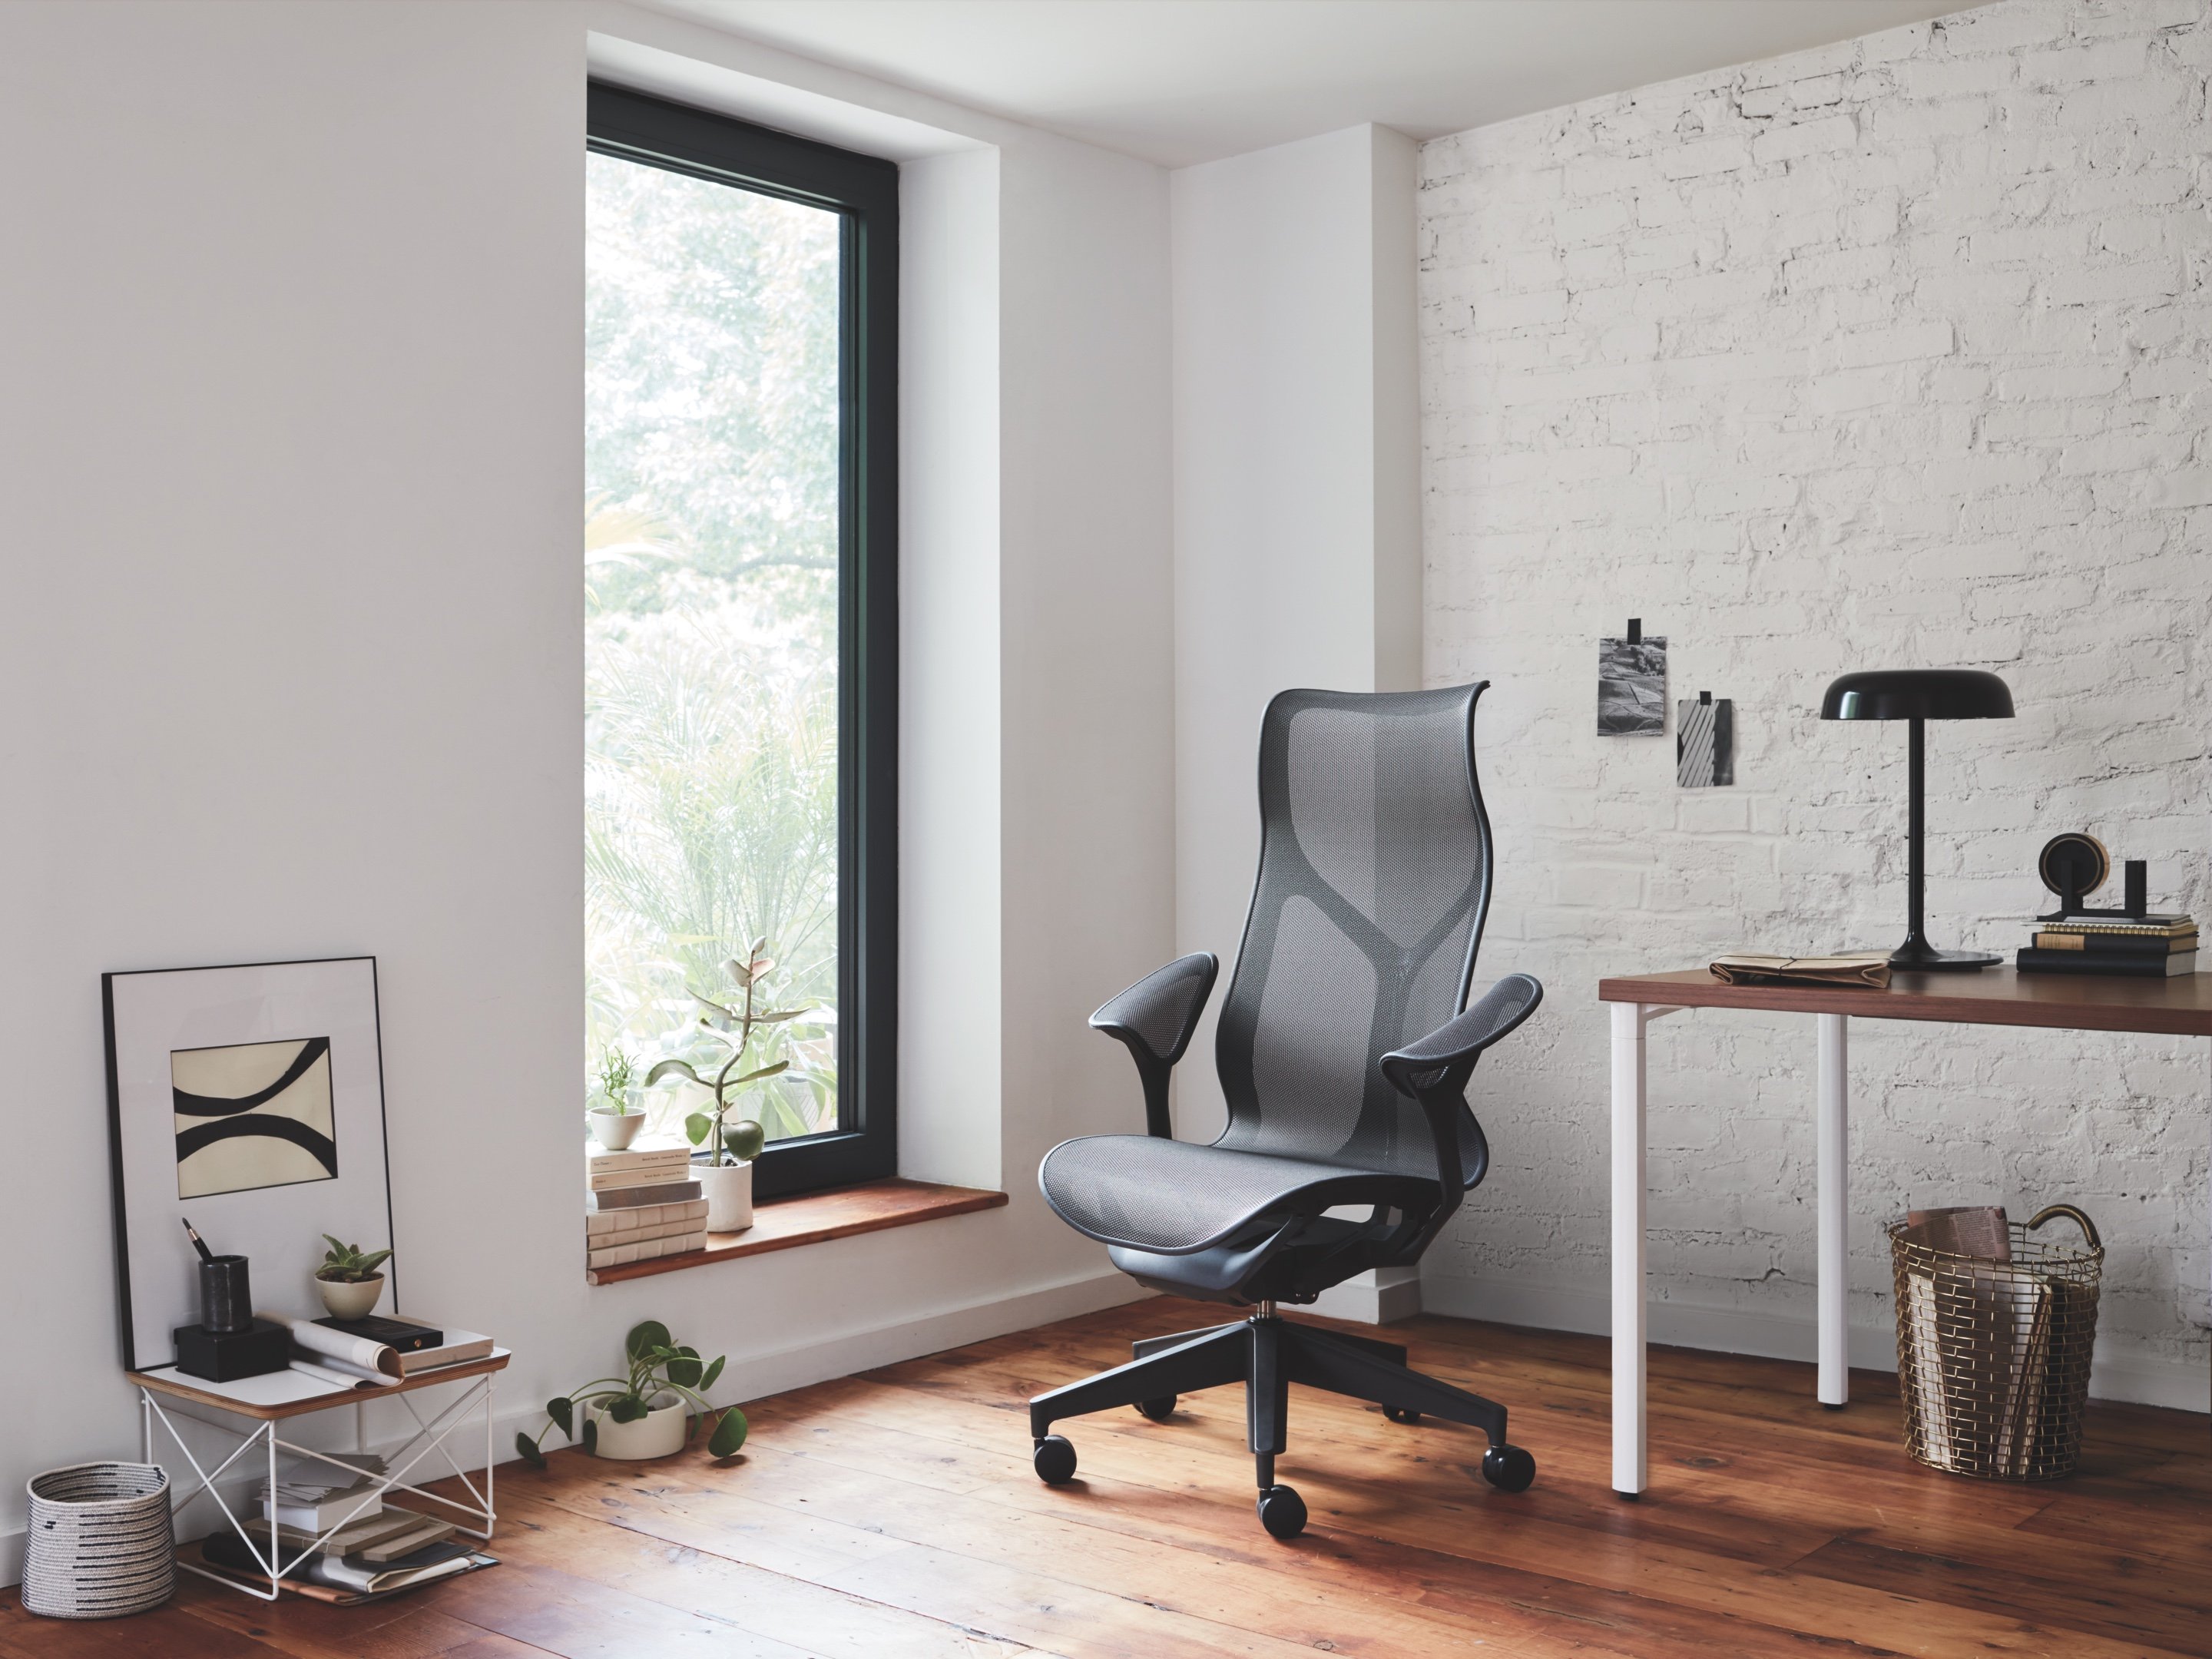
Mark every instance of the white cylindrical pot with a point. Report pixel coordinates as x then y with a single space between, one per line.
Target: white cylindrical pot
350 1299
728 1190
658 1433
615 1130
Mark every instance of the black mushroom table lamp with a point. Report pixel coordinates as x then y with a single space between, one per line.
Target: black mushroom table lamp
1919 695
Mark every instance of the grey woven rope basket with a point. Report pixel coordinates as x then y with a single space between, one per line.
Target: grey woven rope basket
101 1543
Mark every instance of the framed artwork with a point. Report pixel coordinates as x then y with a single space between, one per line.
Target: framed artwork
1704 743
1631 686
249 1100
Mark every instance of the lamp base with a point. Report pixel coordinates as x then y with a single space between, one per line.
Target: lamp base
1912 957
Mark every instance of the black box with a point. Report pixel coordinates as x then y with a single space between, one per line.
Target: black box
226 1356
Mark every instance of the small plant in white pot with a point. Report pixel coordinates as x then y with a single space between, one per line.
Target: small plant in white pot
727 1034
653 1410
348 1280
614 1117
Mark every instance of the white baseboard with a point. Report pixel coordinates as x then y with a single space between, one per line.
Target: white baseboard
1376 1297
753 1378
2135 1379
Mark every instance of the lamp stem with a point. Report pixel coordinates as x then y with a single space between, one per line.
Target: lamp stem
1916 868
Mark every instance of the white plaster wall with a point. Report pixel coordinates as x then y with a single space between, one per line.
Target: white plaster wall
1892 353
1296 491
290 427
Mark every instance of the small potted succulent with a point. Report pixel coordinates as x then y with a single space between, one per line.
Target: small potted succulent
652 1410
349 1279
615 1119
726 1032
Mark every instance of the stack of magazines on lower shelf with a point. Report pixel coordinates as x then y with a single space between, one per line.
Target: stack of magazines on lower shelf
336 1539
2126 947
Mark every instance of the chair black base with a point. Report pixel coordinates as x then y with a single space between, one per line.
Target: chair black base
1267 1353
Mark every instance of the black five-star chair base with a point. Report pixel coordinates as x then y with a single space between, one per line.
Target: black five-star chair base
1267 1353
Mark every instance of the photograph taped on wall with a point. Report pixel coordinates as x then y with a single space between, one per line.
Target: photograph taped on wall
1631 687
250 1100
1705 742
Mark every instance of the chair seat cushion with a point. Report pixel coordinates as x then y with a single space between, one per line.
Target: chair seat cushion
1176 1197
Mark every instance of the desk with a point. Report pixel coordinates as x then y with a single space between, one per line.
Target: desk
1996 996
428 1437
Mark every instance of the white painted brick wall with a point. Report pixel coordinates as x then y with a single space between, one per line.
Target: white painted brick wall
1893 354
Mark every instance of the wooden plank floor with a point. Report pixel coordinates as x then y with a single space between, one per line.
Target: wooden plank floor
894 1514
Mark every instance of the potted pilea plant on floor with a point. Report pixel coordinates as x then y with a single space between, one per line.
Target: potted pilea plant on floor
349 1279
727 1033
615 1118
653 1410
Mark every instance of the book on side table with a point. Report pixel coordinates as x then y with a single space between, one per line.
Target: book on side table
2122 947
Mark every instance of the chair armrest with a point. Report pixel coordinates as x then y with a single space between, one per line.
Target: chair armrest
1428 1066
1154 1019
1434 1072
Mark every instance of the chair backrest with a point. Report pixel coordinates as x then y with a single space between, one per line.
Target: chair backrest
1375 873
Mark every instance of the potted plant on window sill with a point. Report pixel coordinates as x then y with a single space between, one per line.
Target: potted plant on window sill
615 1120
724 1167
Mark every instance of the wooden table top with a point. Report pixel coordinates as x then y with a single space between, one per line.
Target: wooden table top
170 1382
2180 1007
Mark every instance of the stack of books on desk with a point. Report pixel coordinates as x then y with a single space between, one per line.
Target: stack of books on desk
2126 947
640 1203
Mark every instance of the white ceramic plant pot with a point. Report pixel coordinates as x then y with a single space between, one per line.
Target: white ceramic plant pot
350 1300
728 1190
615 1130
658 1433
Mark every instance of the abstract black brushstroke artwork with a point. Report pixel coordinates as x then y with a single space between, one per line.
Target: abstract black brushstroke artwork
1704 743
1631 687
253 1115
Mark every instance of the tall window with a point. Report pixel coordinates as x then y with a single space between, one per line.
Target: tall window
740 655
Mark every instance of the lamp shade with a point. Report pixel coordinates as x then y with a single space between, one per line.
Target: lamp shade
1907 694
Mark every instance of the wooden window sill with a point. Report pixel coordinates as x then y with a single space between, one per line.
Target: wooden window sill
784 1224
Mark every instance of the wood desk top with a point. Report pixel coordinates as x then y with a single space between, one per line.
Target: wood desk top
2181 1006
175 1382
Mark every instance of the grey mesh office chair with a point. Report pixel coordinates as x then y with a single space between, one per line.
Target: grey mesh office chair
1344 1049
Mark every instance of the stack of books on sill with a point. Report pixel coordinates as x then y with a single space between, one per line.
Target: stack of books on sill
2121 947
640 1203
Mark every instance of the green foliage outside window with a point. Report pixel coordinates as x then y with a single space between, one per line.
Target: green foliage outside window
711 613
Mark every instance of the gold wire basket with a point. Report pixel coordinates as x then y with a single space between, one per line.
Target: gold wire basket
1993 1357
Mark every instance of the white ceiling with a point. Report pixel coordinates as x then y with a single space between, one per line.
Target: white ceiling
1182 80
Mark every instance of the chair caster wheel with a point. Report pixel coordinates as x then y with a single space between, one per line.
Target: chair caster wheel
1157 1411
1055 1460
1396 1415
1282 1512
1509 1468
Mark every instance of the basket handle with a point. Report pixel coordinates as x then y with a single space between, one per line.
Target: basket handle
2088 1227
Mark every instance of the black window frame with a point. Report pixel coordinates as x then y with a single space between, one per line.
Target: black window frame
863 190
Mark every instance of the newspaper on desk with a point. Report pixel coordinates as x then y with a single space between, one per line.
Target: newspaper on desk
1867 968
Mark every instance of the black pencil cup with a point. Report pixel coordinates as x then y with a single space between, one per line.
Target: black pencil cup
226 1298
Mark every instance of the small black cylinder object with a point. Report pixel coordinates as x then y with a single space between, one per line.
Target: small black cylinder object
2137 874
226 1298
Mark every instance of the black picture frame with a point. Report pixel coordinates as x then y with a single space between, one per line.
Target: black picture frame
273 1271
863 190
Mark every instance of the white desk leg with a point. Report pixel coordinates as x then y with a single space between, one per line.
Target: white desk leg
1833 1157
1629 1471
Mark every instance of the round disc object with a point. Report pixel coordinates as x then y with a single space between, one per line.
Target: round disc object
2078 859
1158 1410
1055 1460
1282 1512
